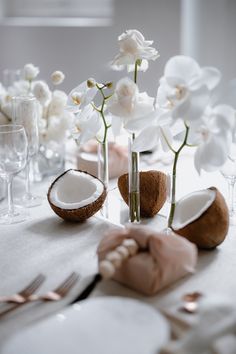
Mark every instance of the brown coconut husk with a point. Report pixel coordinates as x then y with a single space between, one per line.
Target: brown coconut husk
82 213
211 228
153 191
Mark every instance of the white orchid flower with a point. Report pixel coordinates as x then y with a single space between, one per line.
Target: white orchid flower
81 96
213 135
135 109
30 72
185 88
88 124
133 46
161 130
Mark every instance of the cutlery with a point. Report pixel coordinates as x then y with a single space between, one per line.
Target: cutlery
60 292
23 295
29 290
191 302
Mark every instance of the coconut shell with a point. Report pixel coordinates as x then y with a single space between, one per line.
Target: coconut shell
153 191
82 213
211 228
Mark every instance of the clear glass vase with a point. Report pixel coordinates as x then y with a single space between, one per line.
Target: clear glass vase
49 161
171 197
103 173
134 188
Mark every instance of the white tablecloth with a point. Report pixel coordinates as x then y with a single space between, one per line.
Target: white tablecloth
45 243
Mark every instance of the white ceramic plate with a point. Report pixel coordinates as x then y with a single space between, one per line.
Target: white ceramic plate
106 325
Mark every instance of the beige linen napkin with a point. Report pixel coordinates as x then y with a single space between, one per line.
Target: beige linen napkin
162 259
118 159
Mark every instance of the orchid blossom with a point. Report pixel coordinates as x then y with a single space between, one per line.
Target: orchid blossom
81 96
88 124
134 53
134 109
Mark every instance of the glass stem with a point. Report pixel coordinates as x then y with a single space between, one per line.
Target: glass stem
231 185
27 185
9 195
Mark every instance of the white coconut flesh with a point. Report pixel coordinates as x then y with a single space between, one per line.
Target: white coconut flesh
75 189
191 207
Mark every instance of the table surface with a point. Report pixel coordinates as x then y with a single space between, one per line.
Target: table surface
47 244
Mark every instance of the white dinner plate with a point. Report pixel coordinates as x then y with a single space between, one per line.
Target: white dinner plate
106 325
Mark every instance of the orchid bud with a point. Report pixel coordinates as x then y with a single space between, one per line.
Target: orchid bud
91 83
109 85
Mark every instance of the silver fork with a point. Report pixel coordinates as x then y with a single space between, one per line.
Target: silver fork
57 294
23 295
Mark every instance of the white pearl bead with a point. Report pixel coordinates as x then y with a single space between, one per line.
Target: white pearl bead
123 251
131 245
115 258
106 269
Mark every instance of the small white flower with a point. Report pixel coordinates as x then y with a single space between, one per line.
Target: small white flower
133 46
58 127
42 92
133 107
81 96
57 104
57 77
30 72
87 125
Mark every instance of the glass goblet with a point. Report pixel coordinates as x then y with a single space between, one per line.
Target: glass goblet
13 157
228 171
26 112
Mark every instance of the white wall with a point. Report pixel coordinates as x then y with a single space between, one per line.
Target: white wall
85 52
209 33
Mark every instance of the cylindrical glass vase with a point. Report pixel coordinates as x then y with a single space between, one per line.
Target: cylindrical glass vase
103 173
134 188
171 197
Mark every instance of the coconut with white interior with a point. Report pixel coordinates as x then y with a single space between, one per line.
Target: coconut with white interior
202 217
76 195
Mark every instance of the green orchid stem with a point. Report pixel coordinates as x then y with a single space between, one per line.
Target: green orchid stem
103 163
134 194
174 171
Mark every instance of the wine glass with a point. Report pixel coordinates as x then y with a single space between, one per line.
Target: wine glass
26 112
13 157
228 171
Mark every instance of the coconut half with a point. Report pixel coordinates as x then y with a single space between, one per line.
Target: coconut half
202 217
153 191
76 195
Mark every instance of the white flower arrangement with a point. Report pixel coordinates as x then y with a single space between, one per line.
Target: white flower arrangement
55 121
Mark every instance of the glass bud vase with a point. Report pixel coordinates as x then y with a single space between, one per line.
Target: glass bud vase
171 199
134 188
103 173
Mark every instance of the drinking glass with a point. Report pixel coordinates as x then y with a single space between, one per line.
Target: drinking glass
13 157
228 170
26 113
